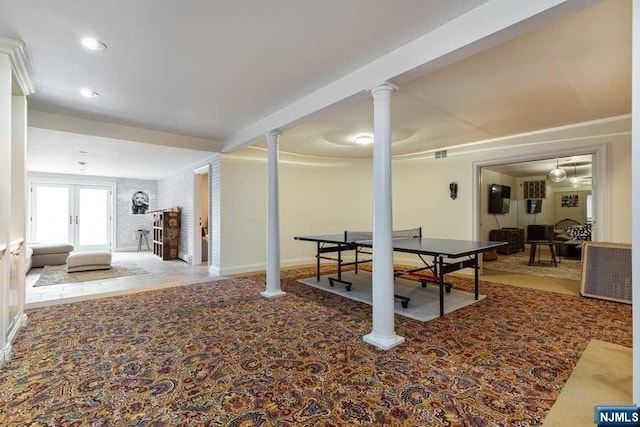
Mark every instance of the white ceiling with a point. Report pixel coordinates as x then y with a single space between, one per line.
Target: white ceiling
211 68
574 70
61 152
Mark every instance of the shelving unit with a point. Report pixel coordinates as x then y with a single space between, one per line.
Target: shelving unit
166 233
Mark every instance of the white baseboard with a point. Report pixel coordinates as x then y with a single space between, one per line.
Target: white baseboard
20 323
298 261
5 353
249 268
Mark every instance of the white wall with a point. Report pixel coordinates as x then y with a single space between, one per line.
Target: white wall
329 196
489 221
13 125
317 197
635 156
619 190
5 205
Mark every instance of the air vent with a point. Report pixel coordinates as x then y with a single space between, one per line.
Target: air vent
441 154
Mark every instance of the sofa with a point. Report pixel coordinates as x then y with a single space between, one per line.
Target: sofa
28 255
41 254
571 234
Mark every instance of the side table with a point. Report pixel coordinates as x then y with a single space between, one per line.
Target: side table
553 244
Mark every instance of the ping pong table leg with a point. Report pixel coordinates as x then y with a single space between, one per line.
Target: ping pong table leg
318 261
356 251
475 273
332 280
339 261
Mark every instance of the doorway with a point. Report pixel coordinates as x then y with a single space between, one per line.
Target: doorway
79 214
201 208
533 198
542 206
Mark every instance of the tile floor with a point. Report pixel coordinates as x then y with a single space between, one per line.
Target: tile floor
162 274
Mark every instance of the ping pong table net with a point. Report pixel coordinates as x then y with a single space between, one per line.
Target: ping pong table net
409 233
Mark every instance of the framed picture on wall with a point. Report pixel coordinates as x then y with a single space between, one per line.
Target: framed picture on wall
139 202
569 201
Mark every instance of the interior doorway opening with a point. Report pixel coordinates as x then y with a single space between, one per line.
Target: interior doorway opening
523 195
532 206
202 213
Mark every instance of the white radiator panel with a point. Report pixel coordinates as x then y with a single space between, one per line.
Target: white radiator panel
606 271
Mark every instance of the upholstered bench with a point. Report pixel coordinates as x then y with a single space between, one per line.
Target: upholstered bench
49 253
87 261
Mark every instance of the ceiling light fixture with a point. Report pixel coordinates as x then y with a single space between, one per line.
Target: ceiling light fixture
363 140
93 44
557 174
89 93
575 179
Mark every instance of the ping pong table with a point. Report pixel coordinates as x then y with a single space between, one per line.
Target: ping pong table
448 255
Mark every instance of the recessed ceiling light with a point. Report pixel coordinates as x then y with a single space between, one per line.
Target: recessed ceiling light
363 140
89 93
83 152
82 163
93 44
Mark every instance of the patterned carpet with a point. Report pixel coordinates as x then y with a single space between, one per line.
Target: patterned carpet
220 354
519 263
57 274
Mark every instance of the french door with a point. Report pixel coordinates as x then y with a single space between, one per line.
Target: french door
76 214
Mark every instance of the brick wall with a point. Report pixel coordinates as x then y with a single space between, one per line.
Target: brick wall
214 215
126 223
177 191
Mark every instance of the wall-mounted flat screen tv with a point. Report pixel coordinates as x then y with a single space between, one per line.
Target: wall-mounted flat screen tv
499 198
534 206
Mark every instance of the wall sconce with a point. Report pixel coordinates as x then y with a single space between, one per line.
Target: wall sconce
453 190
